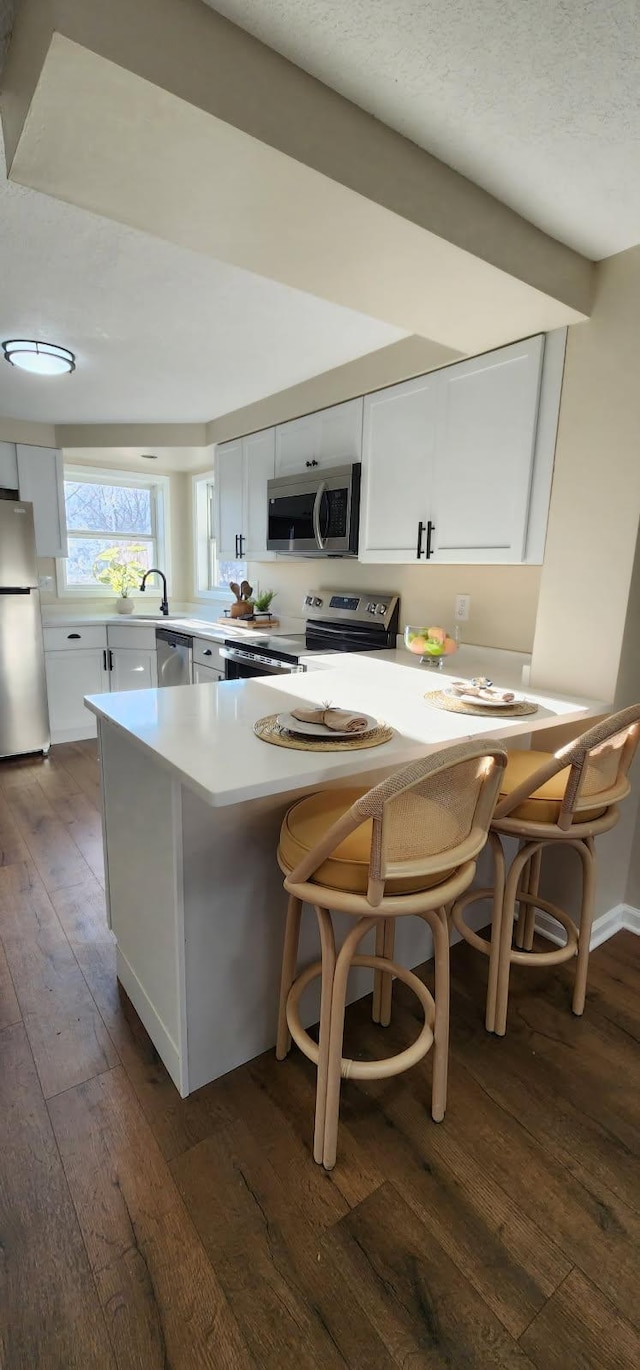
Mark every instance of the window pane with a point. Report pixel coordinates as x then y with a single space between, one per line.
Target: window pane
231 570
83 552
108 508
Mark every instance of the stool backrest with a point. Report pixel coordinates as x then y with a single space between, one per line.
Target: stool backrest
598 763
429 817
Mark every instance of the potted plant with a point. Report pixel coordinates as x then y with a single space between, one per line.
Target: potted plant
123 574
263 600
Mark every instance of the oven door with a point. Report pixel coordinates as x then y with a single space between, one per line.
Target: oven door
315 516
244 665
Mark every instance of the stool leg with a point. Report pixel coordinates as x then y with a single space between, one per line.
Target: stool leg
496 921
289 964
334 1064
587 852
506 933
439 926
328 951
386 987
533 885
377 974
523 884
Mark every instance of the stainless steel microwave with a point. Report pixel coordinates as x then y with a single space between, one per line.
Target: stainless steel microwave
315 514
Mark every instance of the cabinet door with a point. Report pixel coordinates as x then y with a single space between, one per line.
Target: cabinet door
8 466
258 451
70 676
229 490
133 668
40 480
206 675
399 435
296 444
484 455
339 435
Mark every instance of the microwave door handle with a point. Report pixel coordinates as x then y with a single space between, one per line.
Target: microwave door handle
316 515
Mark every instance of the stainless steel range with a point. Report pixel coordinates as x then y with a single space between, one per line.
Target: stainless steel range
337 621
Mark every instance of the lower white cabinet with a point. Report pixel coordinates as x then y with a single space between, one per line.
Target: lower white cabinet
132 668
90 660
206 675
70 676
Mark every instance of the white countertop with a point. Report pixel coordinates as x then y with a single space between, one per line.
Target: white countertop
503 667
204 734
196 627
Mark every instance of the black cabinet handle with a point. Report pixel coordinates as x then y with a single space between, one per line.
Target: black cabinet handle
110 659
241 540
72 636
237 552
207 651
431 528
104 659
419 547
311 463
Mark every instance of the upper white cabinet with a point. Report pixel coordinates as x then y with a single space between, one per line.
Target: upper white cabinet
8 466
399 437
329 437
40 480
457 465
242 469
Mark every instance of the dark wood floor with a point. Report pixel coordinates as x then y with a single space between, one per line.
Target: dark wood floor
140 1230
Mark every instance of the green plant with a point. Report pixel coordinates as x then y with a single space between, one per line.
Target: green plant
263 601
111 568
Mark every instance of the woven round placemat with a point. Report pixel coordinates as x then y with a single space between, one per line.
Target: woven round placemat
439 700
269 730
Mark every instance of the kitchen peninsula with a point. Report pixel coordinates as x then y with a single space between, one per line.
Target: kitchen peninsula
192 807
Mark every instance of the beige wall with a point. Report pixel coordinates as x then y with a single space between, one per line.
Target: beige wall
503 599
593 520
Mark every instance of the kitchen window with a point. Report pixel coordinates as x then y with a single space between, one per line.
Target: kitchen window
110 511
212 576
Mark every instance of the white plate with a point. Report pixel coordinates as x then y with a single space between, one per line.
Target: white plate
484 703
295 725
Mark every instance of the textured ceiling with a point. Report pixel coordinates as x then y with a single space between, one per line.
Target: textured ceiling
162 335
538 101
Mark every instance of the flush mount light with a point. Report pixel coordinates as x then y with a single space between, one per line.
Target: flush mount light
41 358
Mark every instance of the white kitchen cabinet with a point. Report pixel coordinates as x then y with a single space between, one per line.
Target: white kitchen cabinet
229 498
41 481
398 451
206 675
329 437
132 668
8 466
457 465
242 469
484 454
72 674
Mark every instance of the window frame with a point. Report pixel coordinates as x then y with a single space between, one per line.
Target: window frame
204 516
159 486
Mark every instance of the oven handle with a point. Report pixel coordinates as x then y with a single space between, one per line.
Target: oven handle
316 515
243 658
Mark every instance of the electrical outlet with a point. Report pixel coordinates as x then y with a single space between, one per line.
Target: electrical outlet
463 608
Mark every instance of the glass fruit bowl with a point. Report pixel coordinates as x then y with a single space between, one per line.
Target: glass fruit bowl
432 645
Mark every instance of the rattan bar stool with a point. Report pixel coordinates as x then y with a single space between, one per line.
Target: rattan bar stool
567 798
406 847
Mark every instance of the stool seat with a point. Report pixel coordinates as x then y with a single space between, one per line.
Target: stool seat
543 806
348 866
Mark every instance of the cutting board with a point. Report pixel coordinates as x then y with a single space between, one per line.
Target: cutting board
251 624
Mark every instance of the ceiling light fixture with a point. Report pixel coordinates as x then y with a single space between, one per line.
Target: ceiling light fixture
41 358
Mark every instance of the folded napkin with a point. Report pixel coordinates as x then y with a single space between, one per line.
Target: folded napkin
463 687
339 719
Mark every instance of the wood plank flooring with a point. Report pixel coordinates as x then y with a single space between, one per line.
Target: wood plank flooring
139 1230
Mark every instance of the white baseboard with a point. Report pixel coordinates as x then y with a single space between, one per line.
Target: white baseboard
74 734
604 927
158 1033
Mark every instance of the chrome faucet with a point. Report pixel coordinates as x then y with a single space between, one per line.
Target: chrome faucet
153 571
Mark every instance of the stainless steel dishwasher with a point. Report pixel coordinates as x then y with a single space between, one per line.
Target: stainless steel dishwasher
174 652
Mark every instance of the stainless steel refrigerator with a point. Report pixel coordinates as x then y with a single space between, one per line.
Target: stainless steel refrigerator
24 716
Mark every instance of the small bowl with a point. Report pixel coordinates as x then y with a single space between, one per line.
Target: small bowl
432 653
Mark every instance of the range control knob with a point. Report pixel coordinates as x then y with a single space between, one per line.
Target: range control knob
308 599
381 608
371 608
317 603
